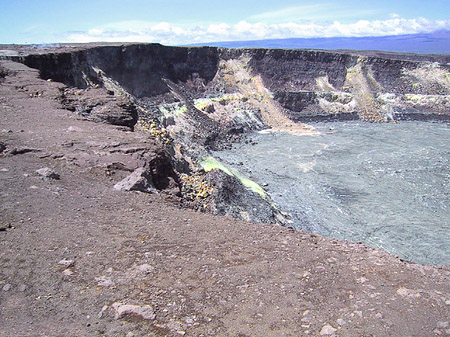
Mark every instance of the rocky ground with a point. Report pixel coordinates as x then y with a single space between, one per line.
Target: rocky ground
80 258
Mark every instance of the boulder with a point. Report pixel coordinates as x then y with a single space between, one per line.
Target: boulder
231 197
139 180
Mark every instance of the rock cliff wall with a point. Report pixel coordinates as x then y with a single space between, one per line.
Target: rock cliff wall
306 84
197 99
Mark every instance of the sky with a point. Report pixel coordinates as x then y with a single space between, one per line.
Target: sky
177 22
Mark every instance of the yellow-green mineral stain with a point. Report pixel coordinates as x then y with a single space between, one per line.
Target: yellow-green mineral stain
210 163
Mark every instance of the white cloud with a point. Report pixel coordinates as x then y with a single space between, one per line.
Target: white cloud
313 12
166 33
290 13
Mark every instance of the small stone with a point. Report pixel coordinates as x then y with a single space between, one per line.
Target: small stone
146 268
144 311
102 281
444 325
67 272
100 314
327 330
437 332
340 321
362 280
379 315
22 287
48 173
7 287
67 263
359 313
74 129
405 292
4 170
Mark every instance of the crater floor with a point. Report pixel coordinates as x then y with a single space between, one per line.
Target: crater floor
386 185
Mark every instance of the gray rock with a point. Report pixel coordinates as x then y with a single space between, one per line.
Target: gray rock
144 311
103 281
443 324
48 173
231 197
327 330
67 272
118 112
2 147
7 287
139 180
4 227
100 314
66 263
22 150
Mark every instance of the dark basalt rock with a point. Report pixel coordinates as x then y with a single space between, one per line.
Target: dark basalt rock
156 175
140 68
162 174
98 105
3 73
232 198
296 101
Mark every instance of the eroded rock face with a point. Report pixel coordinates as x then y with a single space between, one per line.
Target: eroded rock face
156 175
140 68
230 197
305 84
194 100
99 105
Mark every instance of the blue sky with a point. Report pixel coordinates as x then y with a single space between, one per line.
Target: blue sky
184 22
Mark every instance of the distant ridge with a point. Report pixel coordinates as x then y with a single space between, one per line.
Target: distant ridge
437 42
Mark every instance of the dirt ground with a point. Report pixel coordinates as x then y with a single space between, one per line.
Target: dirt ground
78 258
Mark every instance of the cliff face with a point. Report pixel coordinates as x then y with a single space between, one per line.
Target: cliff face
138 68
304 84
317 85
197 99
